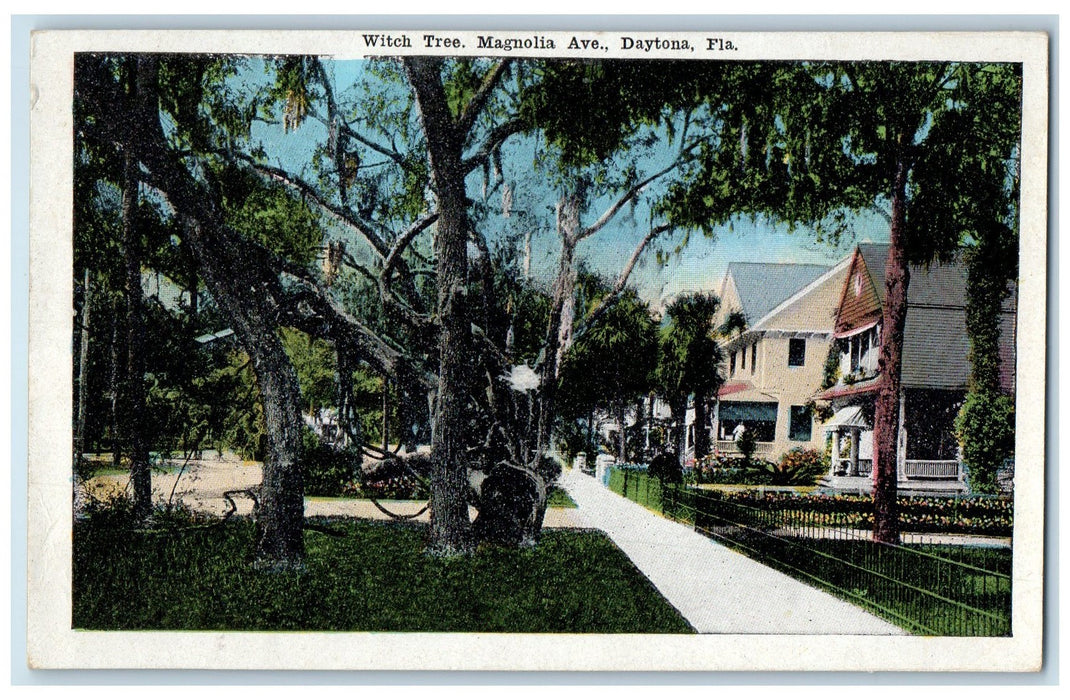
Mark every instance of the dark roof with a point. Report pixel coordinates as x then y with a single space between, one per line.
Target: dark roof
935 343
937 284
762 286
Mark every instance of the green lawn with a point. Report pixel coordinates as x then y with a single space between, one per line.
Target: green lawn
559 498
374 577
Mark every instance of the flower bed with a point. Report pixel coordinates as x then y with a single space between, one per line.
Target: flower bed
975 515
797 467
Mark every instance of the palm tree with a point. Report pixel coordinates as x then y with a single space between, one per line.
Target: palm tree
688 364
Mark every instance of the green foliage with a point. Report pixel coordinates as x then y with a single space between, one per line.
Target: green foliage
665 467
327 470
830 373
375 577
238 409
746 443
985 429
571 439
269 215
801 467
316 365
611 363
688 355
636 484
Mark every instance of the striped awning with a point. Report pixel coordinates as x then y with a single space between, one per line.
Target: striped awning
746 410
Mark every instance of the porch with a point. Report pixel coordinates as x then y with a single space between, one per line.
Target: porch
851 465
907 486
729 447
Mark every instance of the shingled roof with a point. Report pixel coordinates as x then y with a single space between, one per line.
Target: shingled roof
935 343
762 286
930 285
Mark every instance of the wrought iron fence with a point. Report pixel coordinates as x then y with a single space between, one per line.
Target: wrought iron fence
933 586
935 589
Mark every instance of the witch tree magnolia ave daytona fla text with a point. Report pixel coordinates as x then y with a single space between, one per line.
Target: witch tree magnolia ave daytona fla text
541 42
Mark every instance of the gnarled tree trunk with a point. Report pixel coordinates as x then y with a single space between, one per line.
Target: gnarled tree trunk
242 284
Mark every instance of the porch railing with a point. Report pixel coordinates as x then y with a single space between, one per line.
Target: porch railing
865 467
932 469
729 447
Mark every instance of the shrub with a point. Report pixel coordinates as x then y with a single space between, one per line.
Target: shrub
985 429
405 487
802 466
327 471
665 467
764 472
746 443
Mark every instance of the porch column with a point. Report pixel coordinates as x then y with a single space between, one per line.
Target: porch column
835 463
852 470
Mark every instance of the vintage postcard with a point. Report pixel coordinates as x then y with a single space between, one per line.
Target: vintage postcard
462 350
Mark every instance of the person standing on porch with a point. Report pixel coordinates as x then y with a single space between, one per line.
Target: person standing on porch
738 432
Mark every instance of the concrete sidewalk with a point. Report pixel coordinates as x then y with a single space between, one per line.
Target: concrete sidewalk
716 589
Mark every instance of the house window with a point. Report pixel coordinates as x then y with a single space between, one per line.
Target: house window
757 417
732 363
743 359
796 352
753 357
860 351
800 425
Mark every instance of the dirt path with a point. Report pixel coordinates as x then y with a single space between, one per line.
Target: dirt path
203 482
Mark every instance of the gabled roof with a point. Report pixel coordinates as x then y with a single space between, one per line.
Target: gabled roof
935 343
763 286
811 307
936 284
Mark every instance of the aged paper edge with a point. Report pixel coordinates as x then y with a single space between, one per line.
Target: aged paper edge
51 642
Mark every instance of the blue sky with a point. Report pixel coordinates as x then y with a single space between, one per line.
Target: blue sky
700 265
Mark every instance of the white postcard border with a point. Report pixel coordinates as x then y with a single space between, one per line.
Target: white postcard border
51 642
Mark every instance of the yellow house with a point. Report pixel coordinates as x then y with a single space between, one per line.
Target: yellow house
775 364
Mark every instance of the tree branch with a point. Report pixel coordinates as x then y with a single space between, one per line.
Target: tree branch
299 185
622 281
632 193
495 139
475 105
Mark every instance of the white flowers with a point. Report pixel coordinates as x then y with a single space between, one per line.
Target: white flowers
522 378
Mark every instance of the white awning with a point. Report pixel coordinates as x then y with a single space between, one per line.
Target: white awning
209 337
849 417
851 332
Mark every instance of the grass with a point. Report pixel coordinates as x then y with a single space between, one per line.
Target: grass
559 498
375 577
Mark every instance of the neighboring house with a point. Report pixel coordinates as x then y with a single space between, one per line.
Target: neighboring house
935 374
773 367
